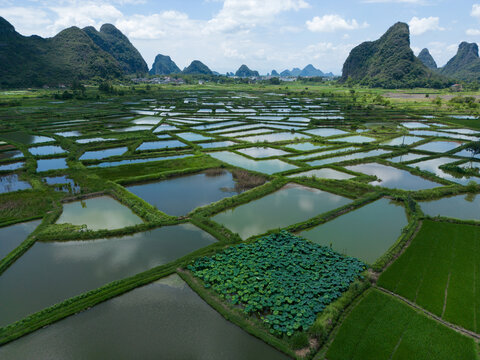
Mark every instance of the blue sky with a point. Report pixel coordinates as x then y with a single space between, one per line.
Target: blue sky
264 34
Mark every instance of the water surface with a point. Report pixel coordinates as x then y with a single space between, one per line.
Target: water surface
9 183
393 178
264 166
324 173
262 152
98 213
13 235
164 320
465 207
52 272
366 233
289 205
51 164
178 196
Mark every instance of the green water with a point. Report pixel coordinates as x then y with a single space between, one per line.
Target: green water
52 272
274 137
193 190
439 146
366 233
12 236
324 173
262 152
306 146
98 213
357 139
289 205
433 166
264 166
354 156
465 207
393 178
402 140
163 320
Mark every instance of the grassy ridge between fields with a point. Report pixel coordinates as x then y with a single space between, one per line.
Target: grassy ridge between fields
439 271
381 327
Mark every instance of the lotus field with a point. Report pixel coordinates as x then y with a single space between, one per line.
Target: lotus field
284 279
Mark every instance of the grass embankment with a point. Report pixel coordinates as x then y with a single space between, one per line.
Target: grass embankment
381 327
439 272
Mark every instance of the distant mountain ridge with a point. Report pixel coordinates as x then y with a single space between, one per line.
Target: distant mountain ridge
34 61
244 71
112 40
465 65
307 71
164 65
197 68
427 59
389 62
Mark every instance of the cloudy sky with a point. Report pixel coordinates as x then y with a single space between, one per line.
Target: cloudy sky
264 34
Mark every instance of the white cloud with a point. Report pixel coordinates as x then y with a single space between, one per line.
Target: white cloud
476 11
473 32
155 26
240 15
419 26
25 20
441 51
331 23
86 14
422 2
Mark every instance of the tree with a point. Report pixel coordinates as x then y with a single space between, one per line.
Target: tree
474 148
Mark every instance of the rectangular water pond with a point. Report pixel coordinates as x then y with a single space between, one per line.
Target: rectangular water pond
165 318
53 272
325 132
11 166
289 205
25 138
354 156
9 183
102 154
13 235
465 207
46 150
51 164
153 145
439 146
264 166
366 233
356 139
306 146
178 196
98 213
393 178
262 152
324 173
403 140
274 137
138 161
433 166
193 136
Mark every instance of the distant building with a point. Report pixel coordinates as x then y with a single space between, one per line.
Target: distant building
456 87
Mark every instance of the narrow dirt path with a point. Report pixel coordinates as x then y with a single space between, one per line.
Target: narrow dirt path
446 295
457 328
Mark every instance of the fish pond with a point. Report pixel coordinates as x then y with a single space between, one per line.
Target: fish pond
366 233
165 318
289 205
98 213
194 190
52 272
